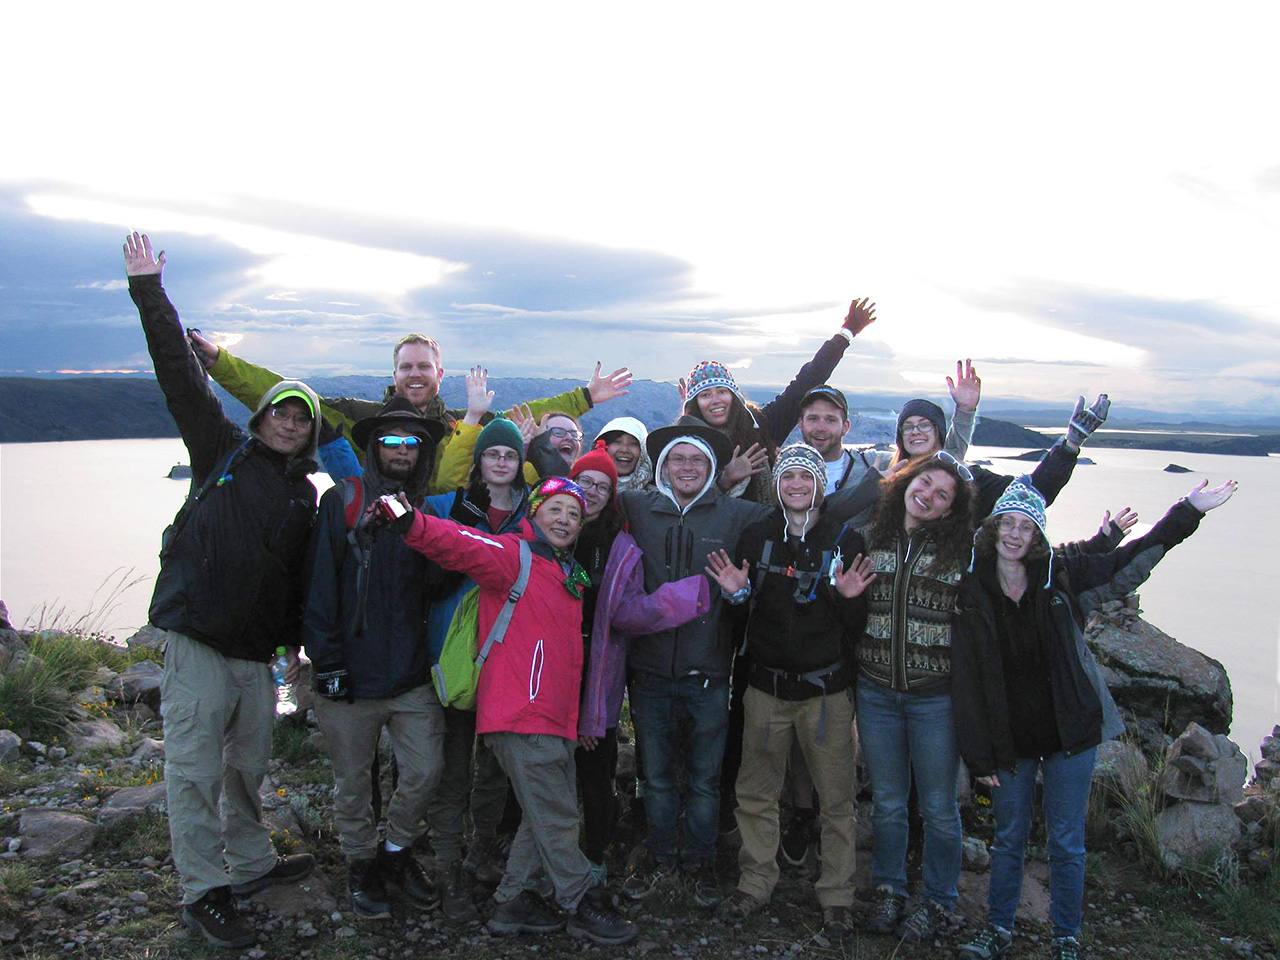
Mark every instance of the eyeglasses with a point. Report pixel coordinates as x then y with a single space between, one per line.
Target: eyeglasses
499 456
602 487
561 432
392 442
697 460
923 426
961 469
297 419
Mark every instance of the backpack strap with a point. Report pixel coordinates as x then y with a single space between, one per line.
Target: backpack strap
499 628
215 478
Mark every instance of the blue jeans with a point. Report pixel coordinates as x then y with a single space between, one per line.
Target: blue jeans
1066 798
684 719
905 735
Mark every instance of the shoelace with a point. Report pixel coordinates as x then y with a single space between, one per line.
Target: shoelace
1066 948
987 939
923 920
885 908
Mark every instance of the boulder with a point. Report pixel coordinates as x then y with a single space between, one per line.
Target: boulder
975 855
298 899
95 734
1121 768
1159 684
1251 809
1265 770
128 803
1192 832
1203 767
9 744
149 749
55 833
141 683
4 617
149 638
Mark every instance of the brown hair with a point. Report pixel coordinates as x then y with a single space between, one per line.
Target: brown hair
414 338
984 545
953 533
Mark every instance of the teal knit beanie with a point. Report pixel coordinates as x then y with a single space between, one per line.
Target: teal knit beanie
500 432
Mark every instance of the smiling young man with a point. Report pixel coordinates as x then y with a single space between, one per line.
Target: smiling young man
228 594
365 632
680 677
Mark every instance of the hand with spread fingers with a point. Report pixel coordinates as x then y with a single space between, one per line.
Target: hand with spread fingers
1123 521
850 582
730 578
743 465
138 261
1210 499
602 389
479 396
862 313
966 388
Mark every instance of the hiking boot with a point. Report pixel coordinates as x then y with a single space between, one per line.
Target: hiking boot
485 860
886 910
455 900
991 941
403 872
927 920
837 922
367 891
704 883
527 913
738 906
287 870
1065 948
215 915
596 920
646 877
797 838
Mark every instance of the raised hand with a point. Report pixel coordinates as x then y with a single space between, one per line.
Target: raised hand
1084 422
966 388
611 387
730 578
479 396
684 391
525 421
861 314
206 352
1206 500
743 465
852 581
138 261
1124 520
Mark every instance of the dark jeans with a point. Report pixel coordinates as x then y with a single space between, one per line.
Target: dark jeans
485 793
596 771
686 718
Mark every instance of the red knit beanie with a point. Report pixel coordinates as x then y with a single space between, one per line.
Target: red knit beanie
599 460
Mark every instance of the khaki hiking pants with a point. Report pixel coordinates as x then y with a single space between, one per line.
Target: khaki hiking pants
217 714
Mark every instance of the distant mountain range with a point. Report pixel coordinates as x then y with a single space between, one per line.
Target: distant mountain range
35 409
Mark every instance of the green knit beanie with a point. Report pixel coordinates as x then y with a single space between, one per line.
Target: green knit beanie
500 432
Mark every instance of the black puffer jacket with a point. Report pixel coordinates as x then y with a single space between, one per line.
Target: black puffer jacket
367 602
231 574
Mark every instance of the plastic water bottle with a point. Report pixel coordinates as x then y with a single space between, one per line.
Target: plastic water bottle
285 703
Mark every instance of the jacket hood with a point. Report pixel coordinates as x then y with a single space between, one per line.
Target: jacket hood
377 483
665 487
641 478
285 386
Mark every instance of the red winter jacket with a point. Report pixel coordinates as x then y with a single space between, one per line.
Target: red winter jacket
530 682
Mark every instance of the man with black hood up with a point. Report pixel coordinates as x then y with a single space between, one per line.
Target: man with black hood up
228 594
365 630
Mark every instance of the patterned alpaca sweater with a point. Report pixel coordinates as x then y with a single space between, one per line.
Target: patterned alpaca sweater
907 643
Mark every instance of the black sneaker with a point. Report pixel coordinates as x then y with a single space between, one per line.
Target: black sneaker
596 920
886 911
402 871
704 883
215 915
991 942
455 899
646 876
367 891
527 913
287 870
485 860
797 838
926 922
1065 948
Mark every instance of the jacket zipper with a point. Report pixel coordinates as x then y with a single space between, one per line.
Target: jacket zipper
898 631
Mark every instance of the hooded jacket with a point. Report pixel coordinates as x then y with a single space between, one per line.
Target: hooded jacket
676 542
1083 708
231 573
641 478
366 607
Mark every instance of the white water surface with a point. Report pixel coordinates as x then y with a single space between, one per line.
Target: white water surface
75 516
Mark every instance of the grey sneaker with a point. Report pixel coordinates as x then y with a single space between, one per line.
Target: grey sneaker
1066 948
992 941
738 906
927 920
647 877
886 910
527 913
704 883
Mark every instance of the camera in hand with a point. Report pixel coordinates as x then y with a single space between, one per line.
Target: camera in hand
389 508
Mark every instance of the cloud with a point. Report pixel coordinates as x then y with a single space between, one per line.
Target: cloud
102 285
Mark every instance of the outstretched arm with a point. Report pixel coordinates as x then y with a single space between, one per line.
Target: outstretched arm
966 391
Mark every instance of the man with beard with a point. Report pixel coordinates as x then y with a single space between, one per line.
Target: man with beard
365 632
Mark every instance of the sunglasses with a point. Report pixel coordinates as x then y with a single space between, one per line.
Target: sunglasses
392 442
961 469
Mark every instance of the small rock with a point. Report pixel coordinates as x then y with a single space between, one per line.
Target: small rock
976 856
15 844
10 743
57 754
55 833
138 896
343 933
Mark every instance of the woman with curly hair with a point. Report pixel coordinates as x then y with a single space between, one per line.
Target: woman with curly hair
919 544
1029 697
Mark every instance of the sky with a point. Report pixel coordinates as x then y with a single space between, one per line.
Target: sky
1082 199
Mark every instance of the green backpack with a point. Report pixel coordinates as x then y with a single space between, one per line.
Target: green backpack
457 673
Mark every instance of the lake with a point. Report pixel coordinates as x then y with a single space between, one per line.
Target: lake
77 518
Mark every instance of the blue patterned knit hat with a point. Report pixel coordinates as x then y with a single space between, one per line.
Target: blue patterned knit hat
1022 497
708 374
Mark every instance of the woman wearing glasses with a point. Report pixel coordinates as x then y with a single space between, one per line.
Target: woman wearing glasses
919 544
